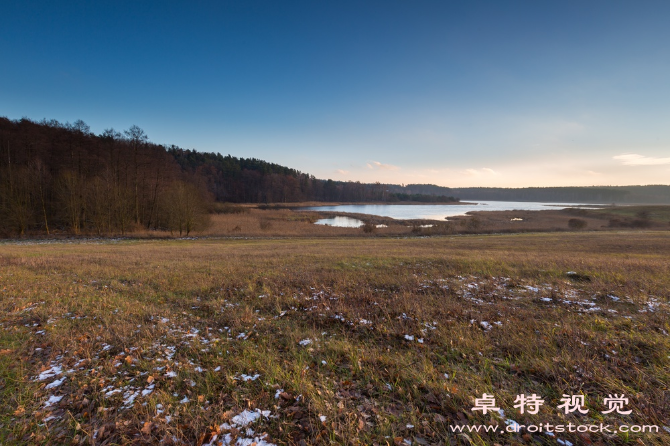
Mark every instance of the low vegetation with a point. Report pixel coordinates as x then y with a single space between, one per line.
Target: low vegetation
301 341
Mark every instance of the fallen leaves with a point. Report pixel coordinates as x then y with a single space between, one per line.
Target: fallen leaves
146 429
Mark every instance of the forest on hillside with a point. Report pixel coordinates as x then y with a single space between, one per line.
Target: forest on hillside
61 176
57 176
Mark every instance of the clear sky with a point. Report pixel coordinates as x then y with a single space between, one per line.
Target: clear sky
455 93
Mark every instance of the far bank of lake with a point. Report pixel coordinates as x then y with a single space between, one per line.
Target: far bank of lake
439 211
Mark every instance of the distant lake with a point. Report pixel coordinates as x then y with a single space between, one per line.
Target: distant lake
437 211
340 222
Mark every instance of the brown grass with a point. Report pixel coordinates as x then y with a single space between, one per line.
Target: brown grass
124 315
251 220
293 223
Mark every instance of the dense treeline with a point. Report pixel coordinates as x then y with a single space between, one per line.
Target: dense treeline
231 179
602 194
422 198
56 176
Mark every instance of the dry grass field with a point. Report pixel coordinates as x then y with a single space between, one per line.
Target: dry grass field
337 340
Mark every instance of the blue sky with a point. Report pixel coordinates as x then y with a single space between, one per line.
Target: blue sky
456 93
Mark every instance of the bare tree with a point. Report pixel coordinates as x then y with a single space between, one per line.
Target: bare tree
184 208
41 177
137 138
71 199
18 206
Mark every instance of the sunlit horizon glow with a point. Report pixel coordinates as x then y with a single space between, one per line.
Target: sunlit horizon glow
457 94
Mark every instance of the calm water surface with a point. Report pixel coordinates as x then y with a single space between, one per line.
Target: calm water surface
433 211
340 222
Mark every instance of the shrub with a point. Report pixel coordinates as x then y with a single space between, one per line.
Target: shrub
474 224
369 228
576 223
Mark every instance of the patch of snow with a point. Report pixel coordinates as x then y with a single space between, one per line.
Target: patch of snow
55 370
148 390
56 383
53 400
246 417
129 397
246 378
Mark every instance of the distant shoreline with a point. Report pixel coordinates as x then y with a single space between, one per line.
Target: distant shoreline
354 203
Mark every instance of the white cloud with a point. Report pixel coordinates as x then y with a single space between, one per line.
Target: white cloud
479 172
342 172
380 166
634 159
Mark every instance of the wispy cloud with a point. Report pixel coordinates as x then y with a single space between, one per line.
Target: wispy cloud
479 172
342 172
380 166
634 159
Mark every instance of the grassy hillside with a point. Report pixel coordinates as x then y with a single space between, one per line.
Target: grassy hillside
331 341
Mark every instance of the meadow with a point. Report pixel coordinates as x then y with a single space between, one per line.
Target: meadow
316 340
